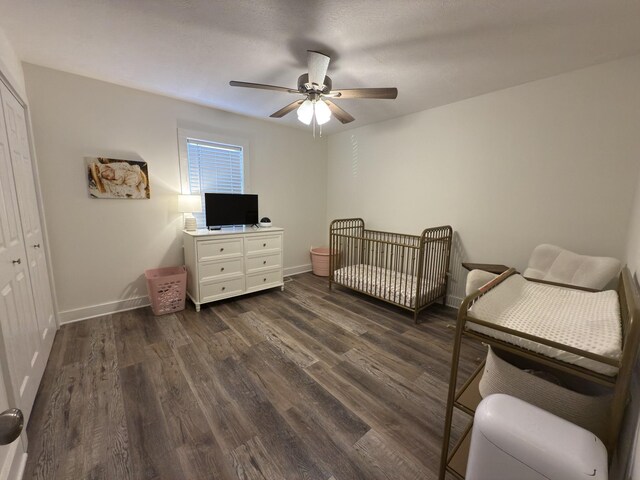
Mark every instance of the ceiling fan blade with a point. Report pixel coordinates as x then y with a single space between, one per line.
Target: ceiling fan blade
289 108
262 86
318 64
389 93
339 113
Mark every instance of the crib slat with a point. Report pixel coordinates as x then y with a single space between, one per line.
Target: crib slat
377 271
394 267
388 266
431 263
437 251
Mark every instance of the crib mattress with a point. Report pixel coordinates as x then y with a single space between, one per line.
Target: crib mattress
382 282
589 321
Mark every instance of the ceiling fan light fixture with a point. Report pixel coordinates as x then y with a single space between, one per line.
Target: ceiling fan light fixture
305 112
323 113
316 88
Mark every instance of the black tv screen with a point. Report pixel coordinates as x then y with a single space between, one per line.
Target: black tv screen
230 209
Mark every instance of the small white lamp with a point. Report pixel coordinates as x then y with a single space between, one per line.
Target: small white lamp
189 204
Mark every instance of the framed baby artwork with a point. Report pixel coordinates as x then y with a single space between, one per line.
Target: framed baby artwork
112 178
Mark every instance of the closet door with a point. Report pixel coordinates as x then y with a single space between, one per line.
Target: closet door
10 455
29 216
19 334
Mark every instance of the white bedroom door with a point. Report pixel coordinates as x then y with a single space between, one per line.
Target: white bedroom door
11 455
16 124
19 334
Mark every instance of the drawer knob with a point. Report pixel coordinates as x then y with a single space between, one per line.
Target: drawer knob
222 269
264 279
222 249
264 263
224 288
264 244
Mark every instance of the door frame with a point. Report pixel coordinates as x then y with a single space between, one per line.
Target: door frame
36 174
20 448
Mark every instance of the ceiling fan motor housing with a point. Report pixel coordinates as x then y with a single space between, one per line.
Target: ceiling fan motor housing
305 87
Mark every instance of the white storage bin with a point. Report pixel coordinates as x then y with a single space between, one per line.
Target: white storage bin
512 439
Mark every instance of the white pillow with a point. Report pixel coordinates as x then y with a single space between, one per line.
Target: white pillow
555 264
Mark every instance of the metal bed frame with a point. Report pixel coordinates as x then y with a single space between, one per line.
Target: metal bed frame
419 257
629 298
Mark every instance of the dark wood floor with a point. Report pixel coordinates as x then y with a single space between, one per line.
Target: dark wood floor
300 384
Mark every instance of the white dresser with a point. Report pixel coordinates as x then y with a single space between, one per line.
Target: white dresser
230 262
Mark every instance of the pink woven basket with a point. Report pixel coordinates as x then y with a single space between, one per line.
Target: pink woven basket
320 261
167 289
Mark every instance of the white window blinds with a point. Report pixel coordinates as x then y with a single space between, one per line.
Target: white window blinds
214 168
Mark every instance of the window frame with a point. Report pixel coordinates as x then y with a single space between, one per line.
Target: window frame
213 137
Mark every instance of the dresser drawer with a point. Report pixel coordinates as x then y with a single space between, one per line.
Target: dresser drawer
222 289
255 264
213 249
213 270
263 243
258 281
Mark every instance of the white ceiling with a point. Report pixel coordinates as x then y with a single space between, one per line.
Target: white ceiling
435 52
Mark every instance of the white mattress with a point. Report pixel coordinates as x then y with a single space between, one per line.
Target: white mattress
382 282
589 321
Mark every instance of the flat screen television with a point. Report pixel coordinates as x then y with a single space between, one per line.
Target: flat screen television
224 209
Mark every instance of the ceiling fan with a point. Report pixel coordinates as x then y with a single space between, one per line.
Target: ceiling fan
316 89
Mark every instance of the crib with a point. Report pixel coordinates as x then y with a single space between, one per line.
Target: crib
409 271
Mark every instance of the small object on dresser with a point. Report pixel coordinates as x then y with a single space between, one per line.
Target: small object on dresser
189 204
265 222
190 224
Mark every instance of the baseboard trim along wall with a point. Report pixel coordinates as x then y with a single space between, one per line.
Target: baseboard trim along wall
297 270
453 301
84 313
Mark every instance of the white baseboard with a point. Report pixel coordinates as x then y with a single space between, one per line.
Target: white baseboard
297 270
453 301
84 313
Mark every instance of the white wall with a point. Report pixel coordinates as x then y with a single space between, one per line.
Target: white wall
100 248
10 65
633 238
627 465
554 160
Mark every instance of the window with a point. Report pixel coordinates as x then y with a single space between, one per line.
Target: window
209 165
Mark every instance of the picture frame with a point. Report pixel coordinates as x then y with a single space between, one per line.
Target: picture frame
111 178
